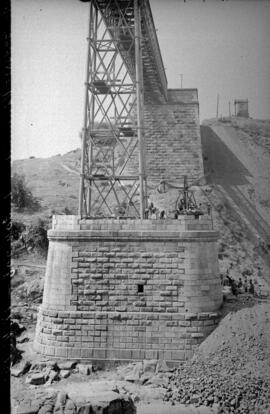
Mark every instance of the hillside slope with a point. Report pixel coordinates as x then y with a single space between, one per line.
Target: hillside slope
237 160
236 155
54 180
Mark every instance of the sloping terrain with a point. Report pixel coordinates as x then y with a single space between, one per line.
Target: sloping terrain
236 155
237 158
54 180
230 372
236 161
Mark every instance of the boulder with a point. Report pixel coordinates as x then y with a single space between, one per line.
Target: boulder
52 364
20 369
52 376
64 373
34 289
48 402
162 366
134 373
23 340
27 408
144 378
46 409
67 365
38 367
16 315
85 369
36 379
60 402
159 380
149 366
70 407
16 328
108 402
15 353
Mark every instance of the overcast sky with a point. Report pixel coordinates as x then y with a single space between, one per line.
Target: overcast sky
219 47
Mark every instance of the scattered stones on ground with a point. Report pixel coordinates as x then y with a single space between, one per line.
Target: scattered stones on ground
16 328
20 369
38 366
53 376
85 369
23 340
60 403
15 353
108 402
16 315
67 365
64 373
36 379
27 408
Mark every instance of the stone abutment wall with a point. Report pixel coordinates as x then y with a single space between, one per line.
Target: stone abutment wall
129 289
172 138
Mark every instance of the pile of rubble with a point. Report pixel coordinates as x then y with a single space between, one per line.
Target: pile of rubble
231 369
49 371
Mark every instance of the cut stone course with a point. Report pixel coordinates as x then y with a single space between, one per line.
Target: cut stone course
96 311
172 138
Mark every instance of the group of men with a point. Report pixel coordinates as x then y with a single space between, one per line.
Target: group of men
153 212
242 286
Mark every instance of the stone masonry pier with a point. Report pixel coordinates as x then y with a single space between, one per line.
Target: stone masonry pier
172 138
128 289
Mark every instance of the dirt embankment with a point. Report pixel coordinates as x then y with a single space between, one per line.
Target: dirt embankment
237 161
237 168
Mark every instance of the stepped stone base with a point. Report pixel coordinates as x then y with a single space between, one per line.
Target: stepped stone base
129 289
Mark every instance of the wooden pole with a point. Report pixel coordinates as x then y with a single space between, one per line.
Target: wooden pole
217 105
230 109
139 90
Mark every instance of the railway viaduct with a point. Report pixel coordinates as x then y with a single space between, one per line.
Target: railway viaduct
130 288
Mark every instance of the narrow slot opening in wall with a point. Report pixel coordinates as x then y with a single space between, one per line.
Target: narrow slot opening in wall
140 288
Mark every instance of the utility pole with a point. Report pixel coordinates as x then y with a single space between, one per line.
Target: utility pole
230 109
217 105
181 76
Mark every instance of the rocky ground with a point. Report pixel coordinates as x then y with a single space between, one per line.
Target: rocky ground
230 371
37 385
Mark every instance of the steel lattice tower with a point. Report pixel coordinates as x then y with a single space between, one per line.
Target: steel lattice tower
112 138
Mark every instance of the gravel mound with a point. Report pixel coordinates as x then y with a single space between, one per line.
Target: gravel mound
231 368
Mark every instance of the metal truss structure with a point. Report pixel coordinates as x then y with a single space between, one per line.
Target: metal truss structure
112 142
